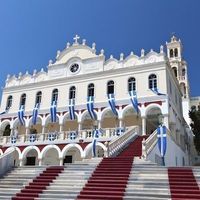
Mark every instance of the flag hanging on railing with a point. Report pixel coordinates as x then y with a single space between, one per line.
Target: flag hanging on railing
134 100
53 111
90 107
94 142
111 101
162 139
4 112
155 90
35 113
21 115
72 109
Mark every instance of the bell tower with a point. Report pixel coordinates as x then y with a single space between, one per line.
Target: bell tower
178 65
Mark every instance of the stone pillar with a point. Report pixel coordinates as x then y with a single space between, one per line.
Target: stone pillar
144 126
166 121
43 129
61 127
21 162
61 161
40 162
79 126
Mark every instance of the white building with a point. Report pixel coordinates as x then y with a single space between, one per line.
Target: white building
78 72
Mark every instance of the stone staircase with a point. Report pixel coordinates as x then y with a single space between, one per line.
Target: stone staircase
15 180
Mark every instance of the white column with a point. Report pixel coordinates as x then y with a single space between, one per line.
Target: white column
43 129
61 161
21 162
61 127
143 125
166 121
40 162
27 130
79 126
120 123
99 124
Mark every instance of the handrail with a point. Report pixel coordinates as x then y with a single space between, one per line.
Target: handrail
115 145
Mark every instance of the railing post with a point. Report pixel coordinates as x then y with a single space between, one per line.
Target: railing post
144 153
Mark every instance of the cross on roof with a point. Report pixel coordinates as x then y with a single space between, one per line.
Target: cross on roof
76 38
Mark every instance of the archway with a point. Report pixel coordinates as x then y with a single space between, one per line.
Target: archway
50 155
18 128
108 119
68 124
100 150
52 126
87 121
35 128
152 117
183 89
30 155
130 117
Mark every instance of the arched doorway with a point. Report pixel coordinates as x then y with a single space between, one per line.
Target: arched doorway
71 155
68 124
50 157
108 119
52 126
87 122
152 117
35 128
31 158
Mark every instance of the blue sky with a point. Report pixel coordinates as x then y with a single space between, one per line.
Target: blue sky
32 31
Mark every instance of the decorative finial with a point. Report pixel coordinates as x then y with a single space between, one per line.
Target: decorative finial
121 56
26 72
34 72
111 56
142 52
161 49
76 38
8 77
58 54
151 50
131 54
83 41
93 46
50 62
42 70
102 52
68 45
20 75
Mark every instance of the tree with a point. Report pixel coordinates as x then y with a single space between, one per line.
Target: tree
195 125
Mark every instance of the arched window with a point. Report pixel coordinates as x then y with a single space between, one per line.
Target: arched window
23 100
55 95
110 87
131 84
152 81
176 52
38 98
175 71
171 53
91 90
72 92
7 130
9 102
183 72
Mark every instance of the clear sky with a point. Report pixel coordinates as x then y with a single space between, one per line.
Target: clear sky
31 31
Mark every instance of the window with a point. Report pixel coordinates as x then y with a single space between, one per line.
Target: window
176 52
175 71
91 90
9 102
23 100
110 87
54 95
183 72
7 130
171 53
38 97
152 81
131 84
72 92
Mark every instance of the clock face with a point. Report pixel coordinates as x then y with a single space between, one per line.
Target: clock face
74 68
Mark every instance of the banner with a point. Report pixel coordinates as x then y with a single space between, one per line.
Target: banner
21 115
53 111
90 107
134 100
35 114
111 101
155 90
95 137
162 139
71 109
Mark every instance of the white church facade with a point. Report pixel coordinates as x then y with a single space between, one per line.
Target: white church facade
81 91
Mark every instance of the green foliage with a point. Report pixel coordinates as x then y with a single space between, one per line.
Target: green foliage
195 125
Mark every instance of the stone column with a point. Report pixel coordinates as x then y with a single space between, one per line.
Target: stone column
40 162
61 161
144 126
43 129
166 120
27 130
79 126
61 127
21 162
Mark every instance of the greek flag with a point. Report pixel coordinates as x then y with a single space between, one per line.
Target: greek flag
35 113
94 142
155 90
53 111
21 115
4 112
111 101
90 107
162 139
71 109
134 100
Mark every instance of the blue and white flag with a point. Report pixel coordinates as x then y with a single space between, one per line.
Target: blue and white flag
73 135
134 100
32 137
155 90
72 109
94 142
4 112
13 139
90 107
162 139
53 111
35 113
51 136
111 101
21 115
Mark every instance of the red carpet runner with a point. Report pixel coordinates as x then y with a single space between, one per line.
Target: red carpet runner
110 178
38 184
183 184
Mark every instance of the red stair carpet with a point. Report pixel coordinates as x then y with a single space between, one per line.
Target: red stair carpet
183 184
38 184
110 178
